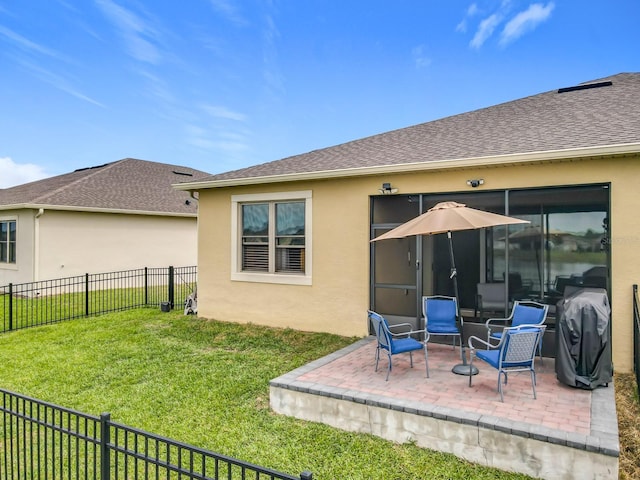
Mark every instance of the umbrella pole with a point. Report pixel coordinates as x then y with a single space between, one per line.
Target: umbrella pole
462 368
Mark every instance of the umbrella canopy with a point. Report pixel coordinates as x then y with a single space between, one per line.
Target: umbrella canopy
448 217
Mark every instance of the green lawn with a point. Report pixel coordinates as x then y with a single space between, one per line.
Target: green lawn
206 383
32 310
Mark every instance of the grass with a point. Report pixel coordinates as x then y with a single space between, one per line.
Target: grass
628 408
206 383
33 309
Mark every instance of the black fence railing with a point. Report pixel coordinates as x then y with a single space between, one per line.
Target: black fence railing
32 304
636 336
44 441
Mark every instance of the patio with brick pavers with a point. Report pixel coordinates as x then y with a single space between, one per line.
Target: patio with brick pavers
565 433
557 406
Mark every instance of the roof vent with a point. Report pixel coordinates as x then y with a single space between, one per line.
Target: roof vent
183 173
585 87
90 168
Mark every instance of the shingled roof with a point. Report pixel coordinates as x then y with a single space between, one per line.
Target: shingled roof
125 185
598 113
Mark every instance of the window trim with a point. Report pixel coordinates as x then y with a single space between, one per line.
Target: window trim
236 239
11 265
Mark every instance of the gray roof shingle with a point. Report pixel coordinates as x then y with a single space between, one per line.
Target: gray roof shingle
551 121
127 184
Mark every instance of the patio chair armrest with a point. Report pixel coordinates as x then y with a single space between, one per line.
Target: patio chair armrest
537 326
404 328
407 333
400 325
407 329
473 338
496 320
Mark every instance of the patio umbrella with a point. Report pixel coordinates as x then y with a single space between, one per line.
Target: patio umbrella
447 217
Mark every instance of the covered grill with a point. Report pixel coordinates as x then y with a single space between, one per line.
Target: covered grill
583 358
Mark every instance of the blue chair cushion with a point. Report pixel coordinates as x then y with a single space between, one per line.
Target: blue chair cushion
497 335
526 315
452 329
492 357
441 316
402 345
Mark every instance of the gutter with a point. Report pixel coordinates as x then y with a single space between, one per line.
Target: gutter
36 245
71 208
473 162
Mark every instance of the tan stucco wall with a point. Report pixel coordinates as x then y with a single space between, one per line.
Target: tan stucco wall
336 263
74 243
339 296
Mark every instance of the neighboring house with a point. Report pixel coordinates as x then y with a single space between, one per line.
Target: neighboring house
287 243
118 216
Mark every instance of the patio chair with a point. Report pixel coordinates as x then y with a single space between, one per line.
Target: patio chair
394 343
523 313
490 297
441 319
515 352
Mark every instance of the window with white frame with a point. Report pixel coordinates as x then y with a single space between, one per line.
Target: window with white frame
272 240
7 241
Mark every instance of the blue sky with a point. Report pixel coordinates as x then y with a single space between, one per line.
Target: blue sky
221 84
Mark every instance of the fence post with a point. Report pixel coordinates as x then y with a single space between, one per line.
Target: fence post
306 475
11 306
146 285
105 431
171 287
86 294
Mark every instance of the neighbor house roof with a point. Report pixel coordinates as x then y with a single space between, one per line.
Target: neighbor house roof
596 118
127 185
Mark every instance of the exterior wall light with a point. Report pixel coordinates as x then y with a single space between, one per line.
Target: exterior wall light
387 190
476 182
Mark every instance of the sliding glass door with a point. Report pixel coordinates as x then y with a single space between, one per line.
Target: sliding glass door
564 245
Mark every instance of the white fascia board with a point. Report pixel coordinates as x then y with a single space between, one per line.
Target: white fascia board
475 162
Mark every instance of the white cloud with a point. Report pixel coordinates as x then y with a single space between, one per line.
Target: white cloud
26 44
525 21
271 73
420 57
485 30
471 11
229 11
218 111
59 82
225 142
12 174
32 61
157 86
140 36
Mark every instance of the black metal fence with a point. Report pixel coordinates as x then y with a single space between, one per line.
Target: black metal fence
44 441
32 304
636 336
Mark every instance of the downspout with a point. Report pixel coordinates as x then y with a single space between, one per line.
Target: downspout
192 194
36 246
